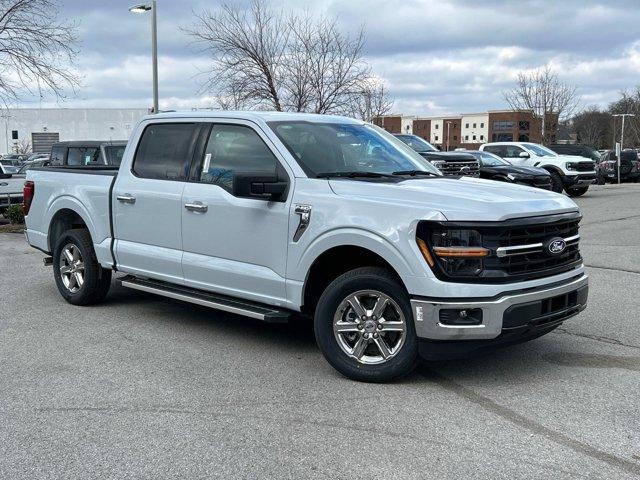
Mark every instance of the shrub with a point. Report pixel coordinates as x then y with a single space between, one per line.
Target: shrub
14 214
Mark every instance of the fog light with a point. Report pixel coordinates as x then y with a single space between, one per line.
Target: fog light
461 316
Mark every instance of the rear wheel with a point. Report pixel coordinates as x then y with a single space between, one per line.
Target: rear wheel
79 277
364 326
577 191
556 182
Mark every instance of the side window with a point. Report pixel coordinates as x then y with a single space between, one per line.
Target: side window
165 151
79 156
234 148
513 151
57 155
496 150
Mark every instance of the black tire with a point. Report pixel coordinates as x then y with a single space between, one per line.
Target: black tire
96 280
601 180
577 191
556 182
365 278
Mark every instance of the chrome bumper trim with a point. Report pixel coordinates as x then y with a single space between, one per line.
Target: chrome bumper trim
426 313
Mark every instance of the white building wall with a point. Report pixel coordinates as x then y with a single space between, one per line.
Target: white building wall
475 125
69 123
437 134
406 124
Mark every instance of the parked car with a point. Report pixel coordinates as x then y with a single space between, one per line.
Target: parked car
8 167
492 167
571 173
577 150
10 187
87 153
608 167
37 156
13 159
449 163
266 214
28 165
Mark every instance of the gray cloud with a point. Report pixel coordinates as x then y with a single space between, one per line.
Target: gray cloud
436 56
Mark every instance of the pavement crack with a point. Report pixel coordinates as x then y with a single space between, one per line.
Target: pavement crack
532 426
597 338
636 272
609 220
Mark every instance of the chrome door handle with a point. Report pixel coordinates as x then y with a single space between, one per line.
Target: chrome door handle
126 198
196 207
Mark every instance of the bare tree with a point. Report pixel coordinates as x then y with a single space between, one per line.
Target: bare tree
36 49
542 92
370 100
593 127
279 61
24 147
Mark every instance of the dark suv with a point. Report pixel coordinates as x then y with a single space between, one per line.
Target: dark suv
577 149
87 152
607 167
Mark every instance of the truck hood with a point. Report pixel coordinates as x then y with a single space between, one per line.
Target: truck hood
459 199
572 158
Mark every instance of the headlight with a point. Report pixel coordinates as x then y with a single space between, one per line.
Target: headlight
458 252
438 164
571 166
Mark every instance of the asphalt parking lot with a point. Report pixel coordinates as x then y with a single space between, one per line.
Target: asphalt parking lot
145 387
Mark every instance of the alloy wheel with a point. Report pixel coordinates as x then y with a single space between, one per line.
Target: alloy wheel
71 268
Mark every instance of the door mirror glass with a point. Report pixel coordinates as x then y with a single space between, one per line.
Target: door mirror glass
255 185
523 155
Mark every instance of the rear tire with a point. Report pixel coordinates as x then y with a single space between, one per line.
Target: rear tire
556 182
577 191
79 277
364 326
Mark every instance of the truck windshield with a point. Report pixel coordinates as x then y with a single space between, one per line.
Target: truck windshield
539 150
417 143
343 147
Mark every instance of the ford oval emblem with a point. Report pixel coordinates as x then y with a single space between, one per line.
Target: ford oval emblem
556 246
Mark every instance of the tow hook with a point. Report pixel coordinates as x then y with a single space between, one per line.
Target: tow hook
48 261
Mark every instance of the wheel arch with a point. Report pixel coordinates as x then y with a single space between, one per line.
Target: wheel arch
64 216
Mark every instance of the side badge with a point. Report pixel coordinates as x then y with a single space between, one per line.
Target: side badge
305 217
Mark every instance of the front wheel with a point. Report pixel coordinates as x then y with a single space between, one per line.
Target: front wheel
79 277
577 191
556 182
364 326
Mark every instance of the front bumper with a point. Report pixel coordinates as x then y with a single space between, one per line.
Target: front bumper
579 180
544 306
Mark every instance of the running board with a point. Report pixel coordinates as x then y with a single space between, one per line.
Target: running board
207 299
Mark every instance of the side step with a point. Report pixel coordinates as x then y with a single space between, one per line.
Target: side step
207 299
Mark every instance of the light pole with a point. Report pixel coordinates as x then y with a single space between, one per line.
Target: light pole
448 126
143 8
623 115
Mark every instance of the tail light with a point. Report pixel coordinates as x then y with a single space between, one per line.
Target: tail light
28 191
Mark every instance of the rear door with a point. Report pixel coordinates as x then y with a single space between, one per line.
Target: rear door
234 245
147 202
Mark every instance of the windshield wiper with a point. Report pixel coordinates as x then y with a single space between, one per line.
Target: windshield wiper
413 173
354 174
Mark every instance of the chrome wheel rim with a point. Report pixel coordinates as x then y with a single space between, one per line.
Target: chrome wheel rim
71 268
370 327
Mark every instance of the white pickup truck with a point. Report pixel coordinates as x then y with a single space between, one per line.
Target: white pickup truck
273 215
570 173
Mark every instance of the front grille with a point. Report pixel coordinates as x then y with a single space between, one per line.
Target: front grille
584 167
518 248
463 168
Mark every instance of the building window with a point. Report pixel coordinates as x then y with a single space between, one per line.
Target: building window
481 137
437 126
502 126
474 125
436 138
523 126
466 137
502 137
482 125
455 137
474 137
523 137
466 125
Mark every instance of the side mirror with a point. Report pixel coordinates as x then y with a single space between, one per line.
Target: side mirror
258 185
524 155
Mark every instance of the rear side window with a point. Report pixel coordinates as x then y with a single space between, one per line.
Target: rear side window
57 155
234 148
165 151
114 154
80 156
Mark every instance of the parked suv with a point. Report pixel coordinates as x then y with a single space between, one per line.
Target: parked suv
571 173
269 214
577 150
449 163
87 153
492 167
608 167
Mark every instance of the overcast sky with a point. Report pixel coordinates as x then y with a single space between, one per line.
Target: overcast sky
436 57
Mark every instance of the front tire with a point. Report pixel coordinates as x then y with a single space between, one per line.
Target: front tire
577 191
79 277
364 326
556 182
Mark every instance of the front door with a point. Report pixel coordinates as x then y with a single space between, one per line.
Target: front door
147 202
512 154
233 245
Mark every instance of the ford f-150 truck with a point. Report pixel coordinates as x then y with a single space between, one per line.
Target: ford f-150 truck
274 215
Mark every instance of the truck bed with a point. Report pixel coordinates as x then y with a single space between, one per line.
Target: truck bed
85 190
